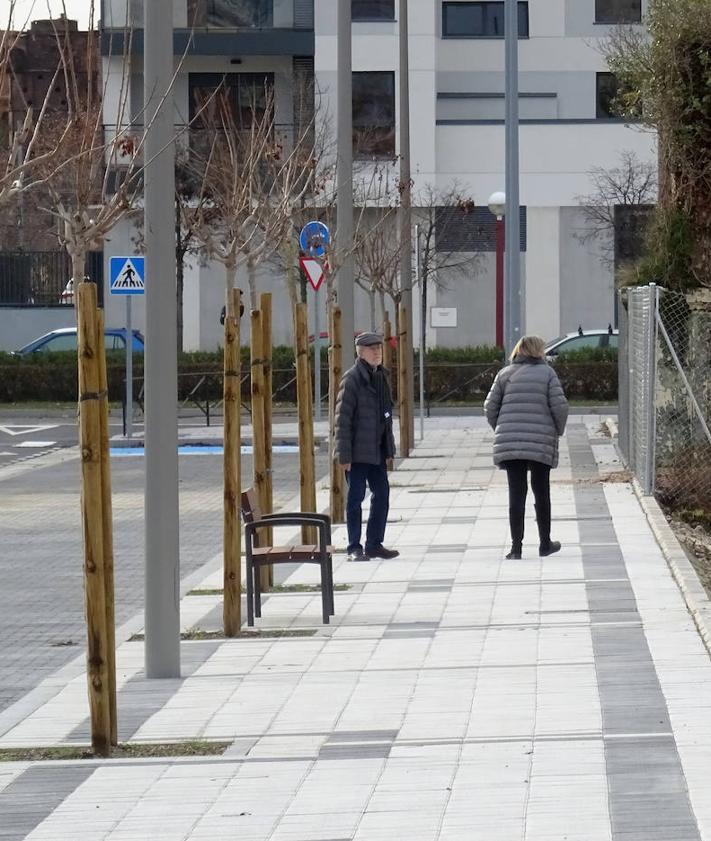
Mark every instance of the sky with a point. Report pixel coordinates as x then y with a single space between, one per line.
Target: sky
38 9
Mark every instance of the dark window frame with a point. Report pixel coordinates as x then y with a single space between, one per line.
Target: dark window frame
472 231
237 83
486 7
611 17
364 16
379 144
211 15
604 98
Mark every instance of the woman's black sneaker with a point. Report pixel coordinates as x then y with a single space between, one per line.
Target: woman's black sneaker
514 554
549 548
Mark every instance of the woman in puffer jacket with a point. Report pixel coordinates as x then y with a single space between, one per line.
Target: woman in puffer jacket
527 410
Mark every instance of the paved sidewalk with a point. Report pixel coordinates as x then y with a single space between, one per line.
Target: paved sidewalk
456 695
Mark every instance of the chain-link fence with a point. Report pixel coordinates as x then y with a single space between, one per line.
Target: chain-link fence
665 397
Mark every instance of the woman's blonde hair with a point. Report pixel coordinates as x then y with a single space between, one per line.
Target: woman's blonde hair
532 346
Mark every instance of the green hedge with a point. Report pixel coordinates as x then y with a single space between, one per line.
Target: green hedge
452 375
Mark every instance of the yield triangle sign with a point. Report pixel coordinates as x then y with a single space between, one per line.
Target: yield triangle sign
314 271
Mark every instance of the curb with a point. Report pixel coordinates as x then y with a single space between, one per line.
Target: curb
119 442
682 570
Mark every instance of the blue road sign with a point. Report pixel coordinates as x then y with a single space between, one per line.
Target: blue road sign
314 239
128 275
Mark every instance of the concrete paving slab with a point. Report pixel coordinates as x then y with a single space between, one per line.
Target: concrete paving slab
455 695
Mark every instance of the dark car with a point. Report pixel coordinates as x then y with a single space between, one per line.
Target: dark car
65 339
604 338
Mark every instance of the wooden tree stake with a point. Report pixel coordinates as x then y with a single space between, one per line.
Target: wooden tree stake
335 373
232 572
258 444
403 359
108 528
92 519
265 305
306 420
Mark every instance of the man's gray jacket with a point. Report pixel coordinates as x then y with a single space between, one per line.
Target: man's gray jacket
527 410
364 426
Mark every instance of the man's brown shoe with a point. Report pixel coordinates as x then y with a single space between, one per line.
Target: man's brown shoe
381 552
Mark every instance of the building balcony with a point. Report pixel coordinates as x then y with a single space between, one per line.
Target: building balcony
218 27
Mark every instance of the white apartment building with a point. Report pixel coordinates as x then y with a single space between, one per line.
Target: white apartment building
457 108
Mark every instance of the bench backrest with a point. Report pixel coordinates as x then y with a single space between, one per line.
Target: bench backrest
249 505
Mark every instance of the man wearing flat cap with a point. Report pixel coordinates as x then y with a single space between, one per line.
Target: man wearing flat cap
364 446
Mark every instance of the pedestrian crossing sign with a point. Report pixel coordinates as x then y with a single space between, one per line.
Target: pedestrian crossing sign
128 275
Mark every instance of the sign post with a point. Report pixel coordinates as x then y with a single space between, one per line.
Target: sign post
128 279
314 272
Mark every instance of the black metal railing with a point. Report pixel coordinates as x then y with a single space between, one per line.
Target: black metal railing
42 278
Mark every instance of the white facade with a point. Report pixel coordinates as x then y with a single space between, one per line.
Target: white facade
457 130
457 135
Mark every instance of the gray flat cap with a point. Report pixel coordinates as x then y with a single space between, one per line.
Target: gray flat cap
368 339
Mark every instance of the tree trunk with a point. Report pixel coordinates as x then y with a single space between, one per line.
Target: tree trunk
230 277
292 275
179 273
78 258
381 302
371 300
231 606
423 313
252 281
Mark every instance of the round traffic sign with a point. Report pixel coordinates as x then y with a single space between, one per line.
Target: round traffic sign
314 239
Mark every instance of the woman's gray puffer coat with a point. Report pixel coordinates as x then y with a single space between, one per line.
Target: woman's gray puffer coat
527 410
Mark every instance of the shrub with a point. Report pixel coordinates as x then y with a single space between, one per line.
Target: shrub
457 374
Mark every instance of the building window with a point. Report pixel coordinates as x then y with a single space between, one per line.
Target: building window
631 225
471 231
479 20
605 92
247 93
374 115
231 14
373 10
618 11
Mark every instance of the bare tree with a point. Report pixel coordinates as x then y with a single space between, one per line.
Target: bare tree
632 184
93 177
439 213
25 159
252 175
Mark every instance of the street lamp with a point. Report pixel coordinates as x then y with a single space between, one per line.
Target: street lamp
497 205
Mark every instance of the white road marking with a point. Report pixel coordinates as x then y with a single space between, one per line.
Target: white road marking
35 445
26 429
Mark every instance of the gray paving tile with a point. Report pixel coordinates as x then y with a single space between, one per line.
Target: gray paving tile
34 795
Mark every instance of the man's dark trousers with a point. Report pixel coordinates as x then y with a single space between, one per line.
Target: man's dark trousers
376 477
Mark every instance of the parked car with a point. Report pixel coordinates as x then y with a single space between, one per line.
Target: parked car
65 338
605 338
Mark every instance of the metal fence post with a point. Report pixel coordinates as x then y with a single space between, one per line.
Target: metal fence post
651 382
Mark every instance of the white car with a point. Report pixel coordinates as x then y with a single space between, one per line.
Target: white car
605 338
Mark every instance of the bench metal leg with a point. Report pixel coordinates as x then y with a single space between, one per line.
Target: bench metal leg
250 592
257 591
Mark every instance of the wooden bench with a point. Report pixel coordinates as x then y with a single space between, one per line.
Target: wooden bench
259 556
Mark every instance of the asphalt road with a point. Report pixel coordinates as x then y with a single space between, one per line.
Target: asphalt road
41 589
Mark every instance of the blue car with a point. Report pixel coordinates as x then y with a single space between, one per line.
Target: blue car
65 339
